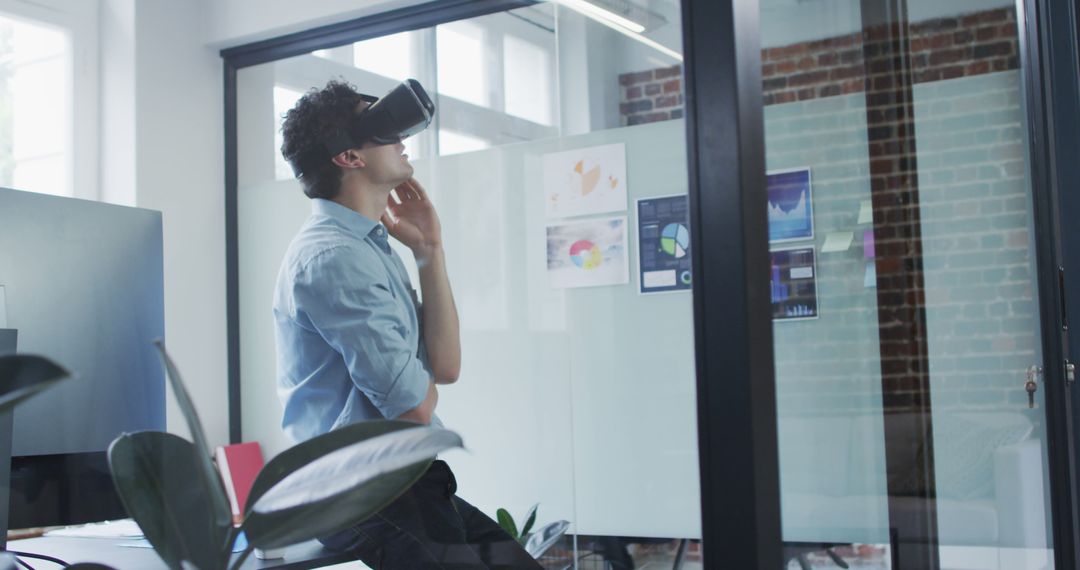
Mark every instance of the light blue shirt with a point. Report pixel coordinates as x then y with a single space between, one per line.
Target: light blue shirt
347 326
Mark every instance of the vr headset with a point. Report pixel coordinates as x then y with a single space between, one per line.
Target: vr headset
403 112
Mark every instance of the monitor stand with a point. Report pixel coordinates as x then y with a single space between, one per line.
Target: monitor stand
8 339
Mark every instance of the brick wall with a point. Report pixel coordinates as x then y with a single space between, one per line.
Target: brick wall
651 95
972 199
944 48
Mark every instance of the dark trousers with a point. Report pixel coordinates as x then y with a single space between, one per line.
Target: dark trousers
430 527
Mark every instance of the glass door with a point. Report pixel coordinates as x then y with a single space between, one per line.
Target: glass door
911 405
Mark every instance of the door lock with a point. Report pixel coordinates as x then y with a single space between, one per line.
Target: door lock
1070 372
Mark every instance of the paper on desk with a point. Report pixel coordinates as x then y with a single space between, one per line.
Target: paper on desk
238 546
866 212
123 528
837 241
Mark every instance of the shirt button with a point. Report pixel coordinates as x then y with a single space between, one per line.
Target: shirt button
379 230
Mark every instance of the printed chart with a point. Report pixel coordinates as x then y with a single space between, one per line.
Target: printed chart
664 245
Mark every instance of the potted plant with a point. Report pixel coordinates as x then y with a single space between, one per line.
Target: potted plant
321 486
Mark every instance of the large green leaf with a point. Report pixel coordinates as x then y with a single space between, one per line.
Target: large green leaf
338 479
159 479
211 482
530 520
507 523
24 375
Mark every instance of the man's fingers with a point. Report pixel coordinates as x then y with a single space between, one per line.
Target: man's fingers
416 187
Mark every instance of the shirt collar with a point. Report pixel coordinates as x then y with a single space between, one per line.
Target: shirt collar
353 221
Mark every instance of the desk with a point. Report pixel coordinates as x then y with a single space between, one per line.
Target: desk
107 551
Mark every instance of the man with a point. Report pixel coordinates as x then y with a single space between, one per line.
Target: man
354 343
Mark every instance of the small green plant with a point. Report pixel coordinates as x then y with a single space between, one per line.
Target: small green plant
507 523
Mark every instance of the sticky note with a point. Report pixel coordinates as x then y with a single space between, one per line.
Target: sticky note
838 241
866 212
868 244
870 277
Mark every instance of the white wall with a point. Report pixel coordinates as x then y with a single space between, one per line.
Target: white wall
163 144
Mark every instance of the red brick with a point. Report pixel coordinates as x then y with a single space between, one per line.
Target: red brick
808 78
829 90
635 78
768 70
666 72
785 67
953 71
633 93
787 51
653 89
977 68
1000 15
939 41
946 56
807 93
774 83
828 59
666 101
806 63
673 86
987 33
990 50
657 117
785 97
846 72
854 86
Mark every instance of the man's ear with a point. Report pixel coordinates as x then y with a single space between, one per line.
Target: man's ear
351 158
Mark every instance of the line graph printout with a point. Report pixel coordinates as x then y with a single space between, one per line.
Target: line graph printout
791 205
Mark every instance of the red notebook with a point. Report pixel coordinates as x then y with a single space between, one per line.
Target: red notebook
239 464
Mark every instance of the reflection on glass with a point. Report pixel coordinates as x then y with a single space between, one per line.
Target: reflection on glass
35 107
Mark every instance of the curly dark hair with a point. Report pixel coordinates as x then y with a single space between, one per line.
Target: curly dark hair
318 116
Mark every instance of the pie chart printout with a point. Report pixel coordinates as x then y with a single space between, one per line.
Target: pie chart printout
586 254
664 244
675 240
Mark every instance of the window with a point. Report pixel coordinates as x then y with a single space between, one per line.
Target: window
462 73
35 106
284 99
389 56
452 142
527 80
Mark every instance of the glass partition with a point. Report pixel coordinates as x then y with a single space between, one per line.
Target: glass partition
557 164
905 320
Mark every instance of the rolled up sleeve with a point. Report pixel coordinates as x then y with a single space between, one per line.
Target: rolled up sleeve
345 295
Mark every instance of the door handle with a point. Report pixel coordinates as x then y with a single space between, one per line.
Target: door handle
1032 383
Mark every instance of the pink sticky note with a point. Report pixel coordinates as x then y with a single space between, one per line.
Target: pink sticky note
868 244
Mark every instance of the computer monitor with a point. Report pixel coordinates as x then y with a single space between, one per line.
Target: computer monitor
83 284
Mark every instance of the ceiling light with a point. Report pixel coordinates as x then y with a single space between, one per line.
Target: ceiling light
602 15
